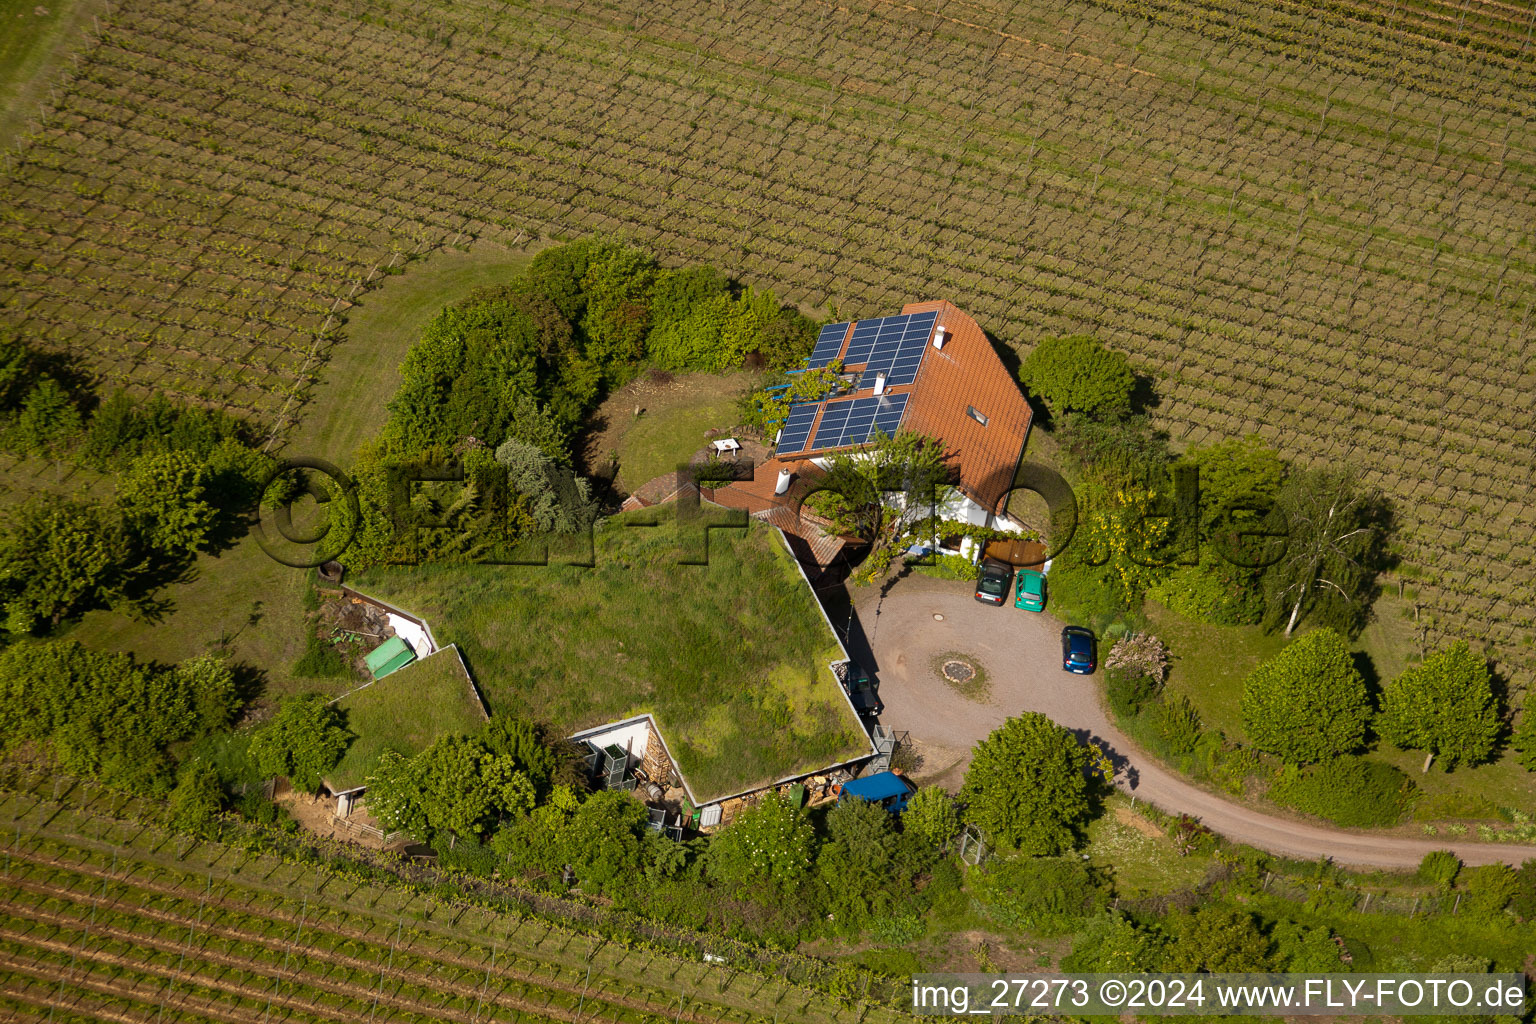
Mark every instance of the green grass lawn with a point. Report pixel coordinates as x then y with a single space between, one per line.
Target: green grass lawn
34 38
731 657
1469 793
1209 663
349 404
404 712
674 425
1142 864
241 600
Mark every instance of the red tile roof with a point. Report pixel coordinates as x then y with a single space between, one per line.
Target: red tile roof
967 374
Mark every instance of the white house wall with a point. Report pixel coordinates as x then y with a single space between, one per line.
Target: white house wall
632 735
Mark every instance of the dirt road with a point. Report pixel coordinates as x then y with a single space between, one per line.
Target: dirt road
922 618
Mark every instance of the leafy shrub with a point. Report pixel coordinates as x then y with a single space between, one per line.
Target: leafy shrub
1524 901
1439 868
1085 593
1128 692
1490 888
1113 943
1044 895
949 567
1524 738
1350 791
1217 593
1178 723
899 928
1229 764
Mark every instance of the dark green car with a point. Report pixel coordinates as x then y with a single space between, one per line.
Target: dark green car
992 582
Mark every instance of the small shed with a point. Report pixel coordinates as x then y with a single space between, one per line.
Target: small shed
391 655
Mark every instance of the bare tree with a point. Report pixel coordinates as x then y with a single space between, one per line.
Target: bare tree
1335 546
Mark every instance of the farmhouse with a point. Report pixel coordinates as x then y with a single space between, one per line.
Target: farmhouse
929 369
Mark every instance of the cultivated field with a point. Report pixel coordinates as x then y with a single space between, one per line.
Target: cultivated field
1307 219
106 918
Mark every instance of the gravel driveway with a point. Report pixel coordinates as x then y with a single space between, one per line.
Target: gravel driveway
1021 653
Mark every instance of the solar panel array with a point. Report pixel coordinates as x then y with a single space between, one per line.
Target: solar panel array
828 343
852 422
797 427
892 344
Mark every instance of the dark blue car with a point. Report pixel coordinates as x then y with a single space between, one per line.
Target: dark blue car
1077 650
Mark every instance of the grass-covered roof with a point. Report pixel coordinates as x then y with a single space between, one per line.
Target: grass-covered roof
731 657
405 712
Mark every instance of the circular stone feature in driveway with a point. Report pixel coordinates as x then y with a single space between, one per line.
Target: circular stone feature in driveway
964 674
958 672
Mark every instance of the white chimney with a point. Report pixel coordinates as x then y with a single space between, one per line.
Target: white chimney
879 383
784 478
939 336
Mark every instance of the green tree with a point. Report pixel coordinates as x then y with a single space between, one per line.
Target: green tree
59 558
771 843
460 785
1240 478
1308 703
932 817
617 318
1445 706
557 499
526 743
1027 786
1216 938
106 714
161 495
557 272
856 864
1078 374
197 799
1239 482
208 687
1336 532
855 495
303 741
48 414
396 797
602 840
